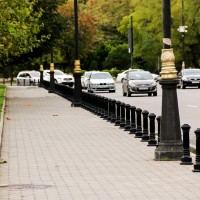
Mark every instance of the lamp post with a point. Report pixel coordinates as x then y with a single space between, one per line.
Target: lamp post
182 29
170 146
41 73
77 98
52 83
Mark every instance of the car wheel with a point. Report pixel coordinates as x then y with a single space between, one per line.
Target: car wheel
182 85
112 91
149 94
155 94
128 93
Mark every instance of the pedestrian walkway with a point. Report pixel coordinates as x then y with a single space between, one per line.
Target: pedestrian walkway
58 152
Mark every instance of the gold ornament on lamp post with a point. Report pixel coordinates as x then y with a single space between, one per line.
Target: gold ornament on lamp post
168 70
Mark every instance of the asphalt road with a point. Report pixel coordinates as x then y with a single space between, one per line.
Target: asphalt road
188 101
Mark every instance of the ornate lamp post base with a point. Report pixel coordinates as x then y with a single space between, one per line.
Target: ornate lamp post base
77 99
170 146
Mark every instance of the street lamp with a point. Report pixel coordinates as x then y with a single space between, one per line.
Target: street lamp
170 146
183 29
41 73
77 98
52 82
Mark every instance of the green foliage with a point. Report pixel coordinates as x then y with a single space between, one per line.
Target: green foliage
118 57
2 95
19 26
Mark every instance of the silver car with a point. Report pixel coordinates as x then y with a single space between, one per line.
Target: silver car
85 78
101 81
139 82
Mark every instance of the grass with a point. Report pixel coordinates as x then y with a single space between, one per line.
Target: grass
2 95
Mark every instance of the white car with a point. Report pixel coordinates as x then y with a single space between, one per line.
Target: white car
121 75
59 77
156 77
101 81
28 78
85 78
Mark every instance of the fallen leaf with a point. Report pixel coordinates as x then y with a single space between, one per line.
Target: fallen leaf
55 115
8 118
27 105
3 161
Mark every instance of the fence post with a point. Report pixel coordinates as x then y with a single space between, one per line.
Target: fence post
133 124
138 133
117 122
186 159
197 160
109 109
113 111
145 131
105 108
122 116
128 122
158 121
152 141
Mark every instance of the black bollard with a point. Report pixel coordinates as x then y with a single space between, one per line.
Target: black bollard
138 133
109 109
152 140
133 124
186 159
106 104
128 121
99 103
102 107
145 131
117 122
122 116
158 122
197 160
113 111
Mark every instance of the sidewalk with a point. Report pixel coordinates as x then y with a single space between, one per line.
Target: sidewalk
58 152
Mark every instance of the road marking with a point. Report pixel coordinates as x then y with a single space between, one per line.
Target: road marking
192 106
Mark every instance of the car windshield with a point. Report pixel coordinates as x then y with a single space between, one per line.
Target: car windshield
101 76
192 72
87 74
58 73
35 74
140 76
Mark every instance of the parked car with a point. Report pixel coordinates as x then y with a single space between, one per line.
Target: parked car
188 78
59 77
139 82
101 81
121 75
28 78
84 79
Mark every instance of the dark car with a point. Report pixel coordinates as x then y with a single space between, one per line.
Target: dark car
189 77
139 82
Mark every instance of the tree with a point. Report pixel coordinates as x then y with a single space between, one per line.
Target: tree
118 58
19 27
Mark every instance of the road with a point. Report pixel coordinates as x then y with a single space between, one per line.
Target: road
188 101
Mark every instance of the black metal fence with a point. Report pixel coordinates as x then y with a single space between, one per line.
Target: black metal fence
133 120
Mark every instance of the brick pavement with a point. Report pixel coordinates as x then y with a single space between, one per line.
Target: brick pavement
58 152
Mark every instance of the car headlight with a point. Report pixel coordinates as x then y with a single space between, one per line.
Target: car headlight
153 84
184 78
131 84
